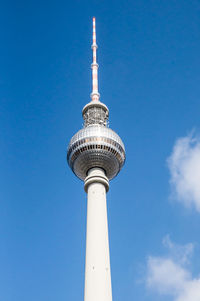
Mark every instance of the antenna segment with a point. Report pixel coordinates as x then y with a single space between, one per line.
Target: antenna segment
95 94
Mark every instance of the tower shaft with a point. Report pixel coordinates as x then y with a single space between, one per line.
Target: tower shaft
97 265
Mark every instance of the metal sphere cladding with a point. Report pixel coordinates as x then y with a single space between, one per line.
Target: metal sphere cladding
96 145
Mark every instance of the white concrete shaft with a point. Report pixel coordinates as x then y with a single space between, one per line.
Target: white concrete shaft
97 265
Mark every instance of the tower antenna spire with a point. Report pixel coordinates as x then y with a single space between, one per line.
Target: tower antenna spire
95 94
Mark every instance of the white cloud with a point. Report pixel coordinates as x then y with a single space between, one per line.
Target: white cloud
184 167
180 254
167 276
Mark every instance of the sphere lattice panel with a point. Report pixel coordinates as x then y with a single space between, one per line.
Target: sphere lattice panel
96 146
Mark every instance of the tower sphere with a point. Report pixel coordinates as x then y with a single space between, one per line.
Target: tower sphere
96 146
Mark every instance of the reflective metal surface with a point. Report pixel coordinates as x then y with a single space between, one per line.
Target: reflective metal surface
96 146
95 112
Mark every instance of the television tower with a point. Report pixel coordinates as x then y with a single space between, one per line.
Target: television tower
96 154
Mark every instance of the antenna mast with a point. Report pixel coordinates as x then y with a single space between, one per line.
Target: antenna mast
95 94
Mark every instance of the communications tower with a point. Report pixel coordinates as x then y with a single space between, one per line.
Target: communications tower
96 154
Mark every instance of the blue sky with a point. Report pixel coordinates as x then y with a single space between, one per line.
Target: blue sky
149 78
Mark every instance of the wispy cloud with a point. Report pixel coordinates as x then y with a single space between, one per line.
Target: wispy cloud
184 167
170 275
179 253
